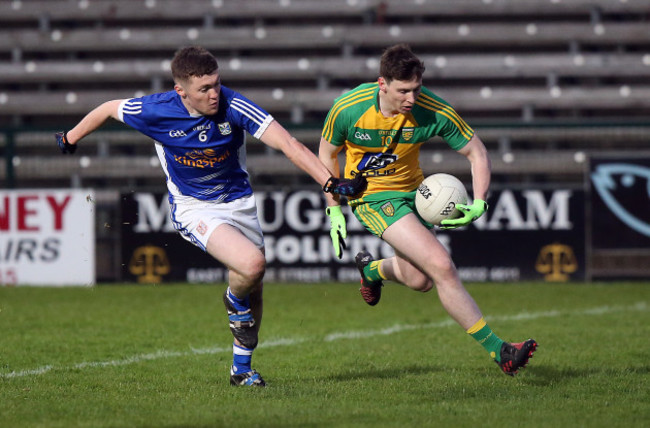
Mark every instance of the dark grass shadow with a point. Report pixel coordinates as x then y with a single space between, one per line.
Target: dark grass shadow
535 375
543 375
546 375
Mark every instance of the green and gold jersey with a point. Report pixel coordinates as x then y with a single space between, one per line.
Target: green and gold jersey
386 149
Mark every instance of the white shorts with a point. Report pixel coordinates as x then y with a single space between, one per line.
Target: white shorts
195 220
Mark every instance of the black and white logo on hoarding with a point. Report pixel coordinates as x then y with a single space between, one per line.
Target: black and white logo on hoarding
625 190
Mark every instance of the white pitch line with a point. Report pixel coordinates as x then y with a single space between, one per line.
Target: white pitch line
640 306
359 334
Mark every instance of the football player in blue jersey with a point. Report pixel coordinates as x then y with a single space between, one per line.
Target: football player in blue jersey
199 131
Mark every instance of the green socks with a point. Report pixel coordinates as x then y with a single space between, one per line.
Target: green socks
483 334
372 271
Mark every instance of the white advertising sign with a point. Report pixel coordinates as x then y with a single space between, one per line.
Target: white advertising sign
47 237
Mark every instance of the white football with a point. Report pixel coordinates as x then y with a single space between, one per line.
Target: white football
437 196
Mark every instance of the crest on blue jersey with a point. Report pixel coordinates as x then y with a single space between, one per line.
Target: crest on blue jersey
224 128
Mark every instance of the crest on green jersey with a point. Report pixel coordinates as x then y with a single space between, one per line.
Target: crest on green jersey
388 209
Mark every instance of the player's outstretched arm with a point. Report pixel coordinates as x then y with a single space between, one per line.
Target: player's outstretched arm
67 141
279 138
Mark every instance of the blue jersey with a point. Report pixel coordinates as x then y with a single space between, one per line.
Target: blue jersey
203 156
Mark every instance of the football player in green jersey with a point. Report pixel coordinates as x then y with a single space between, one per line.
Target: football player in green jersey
382 125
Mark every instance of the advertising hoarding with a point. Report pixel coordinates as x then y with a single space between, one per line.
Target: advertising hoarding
525 235
47 237
619 198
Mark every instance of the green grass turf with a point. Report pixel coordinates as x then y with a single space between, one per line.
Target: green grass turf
145 356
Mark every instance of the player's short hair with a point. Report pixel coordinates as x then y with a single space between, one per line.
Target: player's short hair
192 61
398 62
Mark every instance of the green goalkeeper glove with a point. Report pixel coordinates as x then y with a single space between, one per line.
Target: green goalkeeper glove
470 213
338 230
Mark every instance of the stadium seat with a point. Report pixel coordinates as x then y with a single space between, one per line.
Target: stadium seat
507 66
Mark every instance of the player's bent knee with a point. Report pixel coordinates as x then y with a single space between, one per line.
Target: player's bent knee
250 270
256 269
254 274
445 267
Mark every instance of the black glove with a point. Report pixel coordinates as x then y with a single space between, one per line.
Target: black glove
345 186
62 141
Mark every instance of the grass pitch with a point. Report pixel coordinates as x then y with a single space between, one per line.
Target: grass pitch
158 356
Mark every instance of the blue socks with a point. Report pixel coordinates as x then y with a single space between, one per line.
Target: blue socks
240 304
241 359
241 356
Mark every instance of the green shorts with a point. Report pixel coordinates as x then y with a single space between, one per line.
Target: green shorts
378 211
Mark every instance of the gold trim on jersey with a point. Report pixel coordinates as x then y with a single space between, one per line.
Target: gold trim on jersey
429 103
348 100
